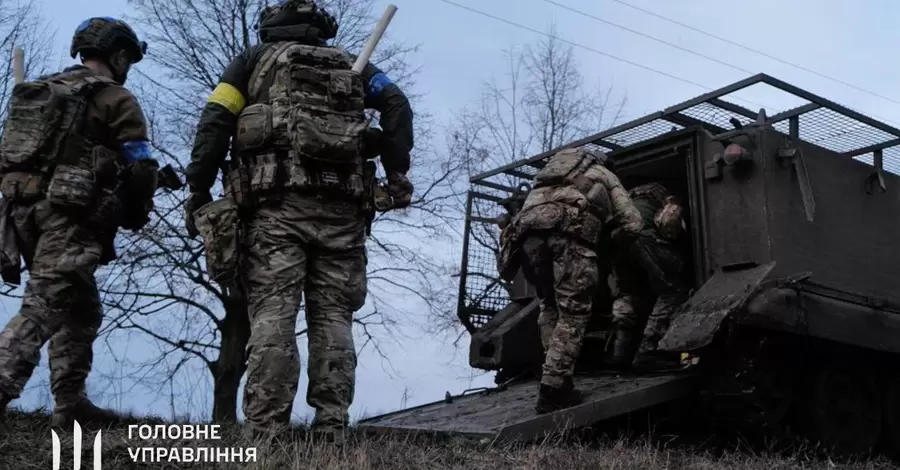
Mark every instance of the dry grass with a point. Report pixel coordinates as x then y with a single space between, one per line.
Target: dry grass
26 445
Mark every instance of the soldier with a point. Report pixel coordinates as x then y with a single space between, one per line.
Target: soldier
75 164
653 267
296 112
555 239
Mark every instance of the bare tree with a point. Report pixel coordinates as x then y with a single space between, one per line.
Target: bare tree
160 287
542 103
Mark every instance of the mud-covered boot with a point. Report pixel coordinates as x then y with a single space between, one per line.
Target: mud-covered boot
557 398
86 413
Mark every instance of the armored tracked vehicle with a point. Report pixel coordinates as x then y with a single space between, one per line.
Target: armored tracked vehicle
794 319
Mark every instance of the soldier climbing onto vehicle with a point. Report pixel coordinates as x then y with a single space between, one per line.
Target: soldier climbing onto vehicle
555 238
75 164
298 203
650 277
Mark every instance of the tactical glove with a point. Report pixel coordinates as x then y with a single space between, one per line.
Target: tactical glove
194 202
400 189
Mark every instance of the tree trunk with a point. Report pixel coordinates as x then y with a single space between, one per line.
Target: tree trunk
231 364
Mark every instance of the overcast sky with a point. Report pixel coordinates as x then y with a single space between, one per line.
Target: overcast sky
814 44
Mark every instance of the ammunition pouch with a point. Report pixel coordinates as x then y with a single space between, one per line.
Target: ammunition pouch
551 217
237 185
10 255
266 177
218 222
22 188
72 187
254 129
271 173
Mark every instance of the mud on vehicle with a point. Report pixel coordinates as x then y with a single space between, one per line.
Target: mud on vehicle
795 312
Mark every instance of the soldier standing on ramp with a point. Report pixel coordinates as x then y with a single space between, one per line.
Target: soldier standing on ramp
653 266
75 164
300 185
554 238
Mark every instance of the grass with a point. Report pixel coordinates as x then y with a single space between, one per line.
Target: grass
26 445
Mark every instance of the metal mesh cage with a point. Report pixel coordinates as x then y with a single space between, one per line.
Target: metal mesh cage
806 116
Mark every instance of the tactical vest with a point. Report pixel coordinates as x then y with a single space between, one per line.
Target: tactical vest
305 129
44 151
570 167
565 199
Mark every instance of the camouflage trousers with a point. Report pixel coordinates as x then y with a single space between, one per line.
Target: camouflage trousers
61 304
302 247
650 278
565 275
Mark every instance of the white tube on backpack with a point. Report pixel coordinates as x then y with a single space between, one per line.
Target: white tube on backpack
19 65
367 50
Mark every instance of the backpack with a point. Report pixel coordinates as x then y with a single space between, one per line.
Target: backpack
317 101
42 114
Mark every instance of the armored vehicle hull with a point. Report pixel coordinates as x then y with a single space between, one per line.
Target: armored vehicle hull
794 312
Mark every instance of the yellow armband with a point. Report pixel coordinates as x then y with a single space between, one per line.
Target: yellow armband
228 96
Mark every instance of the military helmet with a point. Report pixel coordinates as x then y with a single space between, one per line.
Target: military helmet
105 34
297 12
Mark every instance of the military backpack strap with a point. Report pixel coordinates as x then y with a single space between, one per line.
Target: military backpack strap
265 64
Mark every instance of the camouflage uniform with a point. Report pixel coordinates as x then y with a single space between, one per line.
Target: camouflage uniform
554 237
63 245
652 268
303 218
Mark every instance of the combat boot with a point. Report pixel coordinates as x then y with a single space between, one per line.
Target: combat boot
623 347
557 398
329 435
86 413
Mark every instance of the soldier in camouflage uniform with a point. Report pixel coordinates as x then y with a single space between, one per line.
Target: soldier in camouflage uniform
302 185
555 239
75 164
650 277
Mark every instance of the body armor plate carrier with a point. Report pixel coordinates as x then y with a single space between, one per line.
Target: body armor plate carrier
307 130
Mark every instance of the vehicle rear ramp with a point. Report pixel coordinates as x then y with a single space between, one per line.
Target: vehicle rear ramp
507 413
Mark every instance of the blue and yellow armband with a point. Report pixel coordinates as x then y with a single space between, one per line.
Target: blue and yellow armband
377 83
135 150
